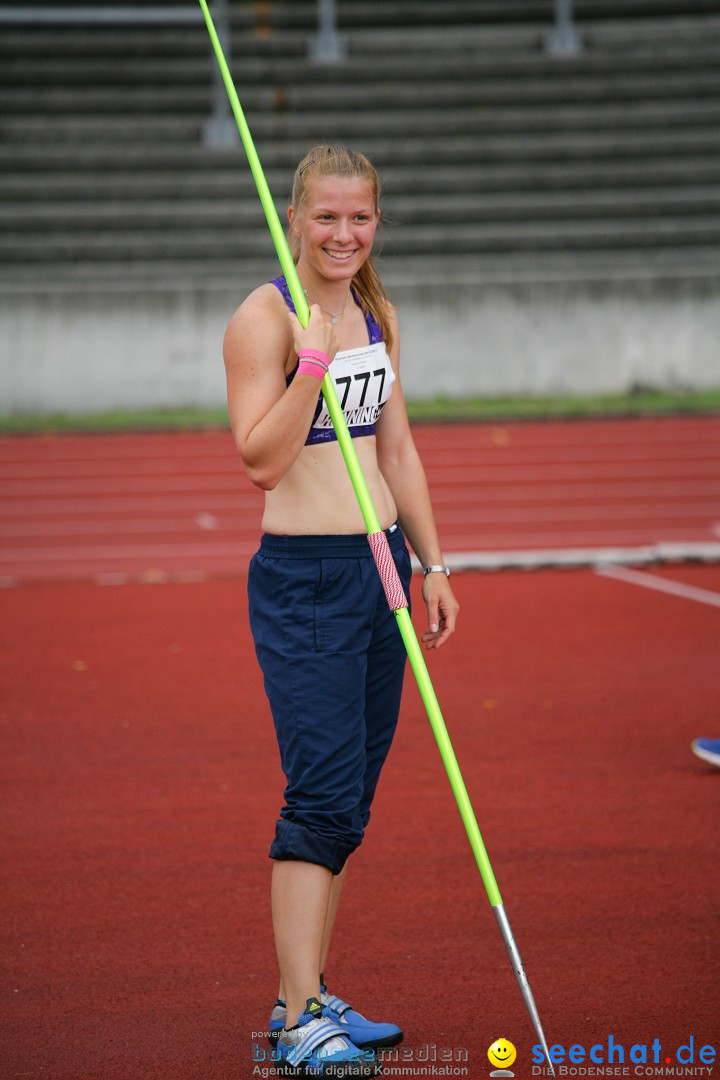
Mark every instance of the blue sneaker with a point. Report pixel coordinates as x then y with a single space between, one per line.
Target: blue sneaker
318 1046
363 1033
707 749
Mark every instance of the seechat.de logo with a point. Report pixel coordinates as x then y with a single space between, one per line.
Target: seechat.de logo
648 1059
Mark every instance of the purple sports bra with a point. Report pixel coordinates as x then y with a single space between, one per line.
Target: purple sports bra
363 380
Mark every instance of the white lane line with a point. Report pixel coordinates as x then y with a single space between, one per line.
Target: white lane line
650 581
565 493
121 485
441 457
603 560
143 527
152 501
562 537
644 495
553 518
600 557
587 512
153 577
106 552
564 558
108 470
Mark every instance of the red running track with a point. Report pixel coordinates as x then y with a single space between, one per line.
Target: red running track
114 508
141 783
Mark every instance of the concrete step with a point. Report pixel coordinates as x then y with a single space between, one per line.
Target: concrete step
35 43
397 12
637 204
409 211
128 45
490 148
466 238
103 13
266 18
366 68
612 178
681 32
506 120
557 235
593 94
673 37
387 152
244 274
622 89
676 262
137 42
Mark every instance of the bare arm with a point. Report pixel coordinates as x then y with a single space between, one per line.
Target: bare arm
404 474
270 420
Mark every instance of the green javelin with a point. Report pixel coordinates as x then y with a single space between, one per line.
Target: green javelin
357 478
370 518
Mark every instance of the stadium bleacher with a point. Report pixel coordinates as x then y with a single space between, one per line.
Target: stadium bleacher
496 155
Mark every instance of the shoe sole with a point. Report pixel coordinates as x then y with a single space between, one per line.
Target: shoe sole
706 755
344 1070
376 1044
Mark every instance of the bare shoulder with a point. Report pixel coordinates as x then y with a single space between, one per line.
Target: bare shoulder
260 324
263 303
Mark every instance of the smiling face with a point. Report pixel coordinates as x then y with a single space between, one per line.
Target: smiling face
502 1053
335 226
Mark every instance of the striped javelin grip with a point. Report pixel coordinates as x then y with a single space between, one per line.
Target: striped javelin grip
385 563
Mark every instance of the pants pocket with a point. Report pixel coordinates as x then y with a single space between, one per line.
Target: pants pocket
340 605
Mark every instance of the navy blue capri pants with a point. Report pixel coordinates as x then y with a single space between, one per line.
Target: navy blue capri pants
333 663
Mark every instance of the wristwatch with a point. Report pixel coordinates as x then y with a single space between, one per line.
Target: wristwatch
436 570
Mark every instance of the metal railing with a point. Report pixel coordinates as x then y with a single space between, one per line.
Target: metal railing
327 46
22 15
563 39
220 131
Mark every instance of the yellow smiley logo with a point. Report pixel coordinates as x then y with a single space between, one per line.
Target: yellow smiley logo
502 1053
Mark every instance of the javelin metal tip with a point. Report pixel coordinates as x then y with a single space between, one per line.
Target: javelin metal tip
517 966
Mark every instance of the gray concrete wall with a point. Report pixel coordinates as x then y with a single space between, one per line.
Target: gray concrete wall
65 351
560 337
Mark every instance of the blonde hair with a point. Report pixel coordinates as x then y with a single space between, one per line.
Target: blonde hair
327 160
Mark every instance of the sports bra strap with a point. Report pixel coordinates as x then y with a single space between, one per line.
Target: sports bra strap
374 331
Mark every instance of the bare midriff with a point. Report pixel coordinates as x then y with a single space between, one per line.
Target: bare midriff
316 498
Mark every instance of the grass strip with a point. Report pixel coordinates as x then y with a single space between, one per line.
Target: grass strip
635 403
438 410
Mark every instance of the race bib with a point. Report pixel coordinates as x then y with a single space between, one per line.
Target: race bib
363 380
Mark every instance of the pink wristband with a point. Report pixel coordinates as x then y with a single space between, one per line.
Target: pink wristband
312 367
314 354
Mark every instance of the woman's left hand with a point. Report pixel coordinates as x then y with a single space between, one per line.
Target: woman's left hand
442 609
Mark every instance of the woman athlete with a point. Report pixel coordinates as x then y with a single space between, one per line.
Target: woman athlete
327 642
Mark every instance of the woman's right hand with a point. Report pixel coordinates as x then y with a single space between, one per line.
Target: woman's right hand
316 335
